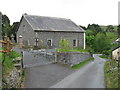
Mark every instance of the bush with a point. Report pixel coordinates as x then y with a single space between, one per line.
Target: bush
65 45
103 56
106 52
14 54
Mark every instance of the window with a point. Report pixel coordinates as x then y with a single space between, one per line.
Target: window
49 42
74 42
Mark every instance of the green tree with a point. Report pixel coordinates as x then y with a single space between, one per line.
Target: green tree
101 43
5 25
90 40
118 31
14 29
110 28
95 28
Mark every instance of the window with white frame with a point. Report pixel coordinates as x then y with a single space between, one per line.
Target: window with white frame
74 42
49 42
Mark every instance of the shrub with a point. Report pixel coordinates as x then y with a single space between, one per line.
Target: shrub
14 54
106 52
65 45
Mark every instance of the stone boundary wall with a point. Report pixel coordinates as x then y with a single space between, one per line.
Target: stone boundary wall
13 80
72 58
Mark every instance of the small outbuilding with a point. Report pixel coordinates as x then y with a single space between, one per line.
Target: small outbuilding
116 54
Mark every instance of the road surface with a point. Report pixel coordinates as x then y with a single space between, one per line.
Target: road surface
46 75
89 76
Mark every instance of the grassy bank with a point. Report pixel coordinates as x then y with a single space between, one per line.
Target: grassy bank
111 74
103 56
77 66
8 61
0 55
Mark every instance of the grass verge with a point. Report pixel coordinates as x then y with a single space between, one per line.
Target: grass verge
23 79
103 56
77 66
111 71
8 62
73 50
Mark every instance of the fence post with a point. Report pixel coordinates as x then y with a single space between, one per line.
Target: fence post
22 59
55 55
118 69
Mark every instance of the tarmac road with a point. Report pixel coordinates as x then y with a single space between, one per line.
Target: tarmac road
89 76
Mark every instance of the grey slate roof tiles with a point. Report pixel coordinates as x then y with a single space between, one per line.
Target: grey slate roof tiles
42 23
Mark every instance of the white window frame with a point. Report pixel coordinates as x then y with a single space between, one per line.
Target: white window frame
28 41
75 43
51 41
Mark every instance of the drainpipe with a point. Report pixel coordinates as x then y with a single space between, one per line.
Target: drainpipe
84 40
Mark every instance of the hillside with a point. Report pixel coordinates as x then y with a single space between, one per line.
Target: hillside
105 27
112 36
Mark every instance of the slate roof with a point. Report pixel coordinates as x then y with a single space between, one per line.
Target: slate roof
42 23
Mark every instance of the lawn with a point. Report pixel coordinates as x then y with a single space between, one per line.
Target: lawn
112 79
77 66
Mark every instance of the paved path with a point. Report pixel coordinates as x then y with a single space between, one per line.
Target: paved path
90 76
46 75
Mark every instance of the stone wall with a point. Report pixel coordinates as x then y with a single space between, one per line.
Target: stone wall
72 58
13 80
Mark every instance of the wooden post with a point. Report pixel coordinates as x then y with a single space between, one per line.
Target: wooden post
118 68
55 55
22 59
7 47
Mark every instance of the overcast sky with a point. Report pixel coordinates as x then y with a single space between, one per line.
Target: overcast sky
82 12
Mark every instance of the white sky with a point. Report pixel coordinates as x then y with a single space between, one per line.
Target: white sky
82 12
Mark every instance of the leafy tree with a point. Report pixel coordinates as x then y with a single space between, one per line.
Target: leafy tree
95 28
89 32
90 40
109 28
118 31
14 29
101 43
5 25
